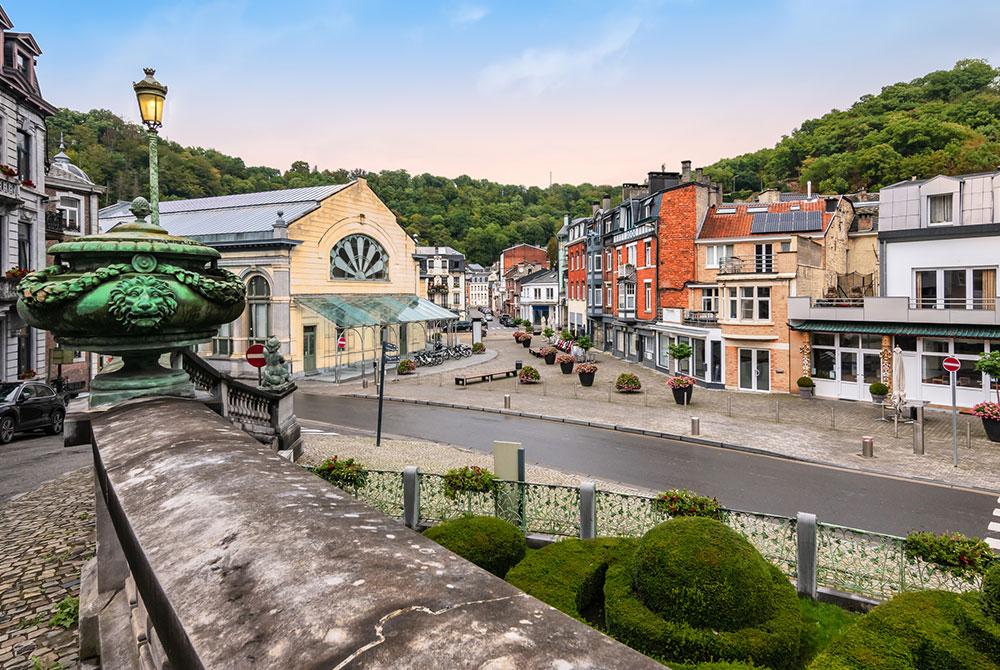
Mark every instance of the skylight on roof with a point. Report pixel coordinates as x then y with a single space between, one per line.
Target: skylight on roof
756 210
725 210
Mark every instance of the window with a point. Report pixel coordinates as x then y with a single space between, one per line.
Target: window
258 309
24 154
717 253
608 302
763 258
538 294
746 303
647 294
629 296
763 303
631 254
222 343
597 262
598 295
608 264
965 350
456 282
710 299
550 293
940 208
956 288
359 257
649 254
619 259
754 303
70 208
24 245
732 303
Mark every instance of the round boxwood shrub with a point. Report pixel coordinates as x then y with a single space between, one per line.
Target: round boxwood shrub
991 592
569 575
492 544
701 572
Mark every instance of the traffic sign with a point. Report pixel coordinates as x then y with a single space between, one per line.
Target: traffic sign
255 355
341 342
951 364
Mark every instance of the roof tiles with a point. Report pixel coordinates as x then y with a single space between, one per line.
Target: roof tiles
740 223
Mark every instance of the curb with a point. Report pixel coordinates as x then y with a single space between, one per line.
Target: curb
756 451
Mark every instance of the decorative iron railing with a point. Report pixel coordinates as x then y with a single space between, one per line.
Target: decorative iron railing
871 565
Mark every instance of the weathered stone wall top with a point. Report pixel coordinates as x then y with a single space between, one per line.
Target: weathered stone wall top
245 560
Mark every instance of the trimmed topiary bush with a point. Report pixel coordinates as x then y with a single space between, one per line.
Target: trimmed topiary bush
492 544
925 630
569 575
702 572
627 383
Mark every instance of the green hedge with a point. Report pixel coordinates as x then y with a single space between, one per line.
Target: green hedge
773 643
569 575
991 592
926 630
700 572
492 544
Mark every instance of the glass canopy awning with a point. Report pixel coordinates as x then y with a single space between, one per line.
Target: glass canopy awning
351 310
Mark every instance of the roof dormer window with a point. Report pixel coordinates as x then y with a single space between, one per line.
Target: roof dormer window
23 64
940 209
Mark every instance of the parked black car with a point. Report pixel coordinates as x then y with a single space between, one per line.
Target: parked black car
29 406
506 320
461 326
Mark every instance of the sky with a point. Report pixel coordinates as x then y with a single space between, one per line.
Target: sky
518 92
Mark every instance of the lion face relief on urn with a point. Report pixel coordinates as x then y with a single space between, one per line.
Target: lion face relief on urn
134 292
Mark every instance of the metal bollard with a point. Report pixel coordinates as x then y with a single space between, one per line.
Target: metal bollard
918 432
364 383
695 425
506 401
868 446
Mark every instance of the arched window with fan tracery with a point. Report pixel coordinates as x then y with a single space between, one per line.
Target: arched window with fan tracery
359 257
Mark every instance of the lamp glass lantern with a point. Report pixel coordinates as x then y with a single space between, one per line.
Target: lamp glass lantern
150 94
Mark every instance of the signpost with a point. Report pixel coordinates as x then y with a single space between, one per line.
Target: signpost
341 343
386 347
952 365
255 357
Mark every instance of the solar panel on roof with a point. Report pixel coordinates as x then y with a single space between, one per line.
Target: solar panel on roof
787 222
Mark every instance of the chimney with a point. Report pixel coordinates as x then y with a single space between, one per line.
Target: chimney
685 171
809 190
661 180
606 202
280 227
699 175
595 207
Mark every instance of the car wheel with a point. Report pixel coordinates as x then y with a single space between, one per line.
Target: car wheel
6 429
56 426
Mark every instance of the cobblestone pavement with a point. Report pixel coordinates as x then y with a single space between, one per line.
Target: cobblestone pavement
431 457
47 536
820 430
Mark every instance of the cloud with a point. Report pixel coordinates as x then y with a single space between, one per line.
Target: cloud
466 14
537 69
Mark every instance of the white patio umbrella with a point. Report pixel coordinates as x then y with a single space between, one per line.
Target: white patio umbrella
898 380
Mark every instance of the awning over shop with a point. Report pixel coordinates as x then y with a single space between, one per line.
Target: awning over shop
352 310
888 328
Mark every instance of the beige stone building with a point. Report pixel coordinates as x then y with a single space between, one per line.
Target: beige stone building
326 269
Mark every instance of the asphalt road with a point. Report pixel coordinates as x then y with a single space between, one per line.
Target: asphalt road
33 459
739 480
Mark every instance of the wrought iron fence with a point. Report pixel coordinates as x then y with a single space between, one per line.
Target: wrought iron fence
872 565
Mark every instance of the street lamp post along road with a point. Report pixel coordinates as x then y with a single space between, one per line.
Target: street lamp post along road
151 94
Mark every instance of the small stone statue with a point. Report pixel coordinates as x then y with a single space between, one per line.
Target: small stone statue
275 375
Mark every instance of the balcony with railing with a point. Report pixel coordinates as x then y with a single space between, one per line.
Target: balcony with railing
754 264
700 317
57 222
10 189
896 309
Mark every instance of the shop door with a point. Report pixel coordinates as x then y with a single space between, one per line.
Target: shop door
850 387
755 369
309 349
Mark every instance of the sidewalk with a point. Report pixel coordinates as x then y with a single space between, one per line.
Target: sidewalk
355 382
817 430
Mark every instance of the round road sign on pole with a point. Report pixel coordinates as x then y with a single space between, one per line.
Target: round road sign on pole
341 342
255 355
951 364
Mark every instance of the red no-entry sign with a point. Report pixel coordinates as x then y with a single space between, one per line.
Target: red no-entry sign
341 342
255 355
951 364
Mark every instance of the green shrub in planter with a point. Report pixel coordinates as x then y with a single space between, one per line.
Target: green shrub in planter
681 502
346 473
627 383
468 479
991 592
958 554
878 389
565 335
805 383
406 367
548 332
478 348
492 544
924 630
529 375
569 575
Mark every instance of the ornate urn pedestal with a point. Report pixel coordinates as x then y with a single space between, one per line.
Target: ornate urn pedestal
136 292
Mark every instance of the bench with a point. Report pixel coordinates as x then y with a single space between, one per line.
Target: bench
487 377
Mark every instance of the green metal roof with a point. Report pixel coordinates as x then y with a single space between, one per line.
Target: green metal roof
887 328
349 310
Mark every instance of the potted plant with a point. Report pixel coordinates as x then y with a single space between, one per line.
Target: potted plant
566 336
406 367
16 274
680 351
547 333
879 391
586 372
806 387
989 412
524 339
682 387
479 348
584 343
549 354
566 363
529 375
627 383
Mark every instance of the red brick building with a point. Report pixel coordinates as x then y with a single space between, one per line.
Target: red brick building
522 253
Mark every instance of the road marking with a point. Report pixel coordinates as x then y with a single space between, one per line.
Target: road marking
994 526
317 431
993 542
996 511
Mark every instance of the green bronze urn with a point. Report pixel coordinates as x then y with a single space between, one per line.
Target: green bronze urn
135 292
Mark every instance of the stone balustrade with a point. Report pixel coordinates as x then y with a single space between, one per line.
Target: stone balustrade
214 552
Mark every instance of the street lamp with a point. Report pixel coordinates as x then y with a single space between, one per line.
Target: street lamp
150 94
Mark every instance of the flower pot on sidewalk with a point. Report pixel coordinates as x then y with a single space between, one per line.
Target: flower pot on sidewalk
992 428
587 378
526 342
550 358
682 396
989 412
567 368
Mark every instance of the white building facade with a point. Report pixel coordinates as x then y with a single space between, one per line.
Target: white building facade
477 282
442 270
539 301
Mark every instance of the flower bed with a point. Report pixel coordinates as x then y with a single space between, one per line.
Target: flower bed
346 473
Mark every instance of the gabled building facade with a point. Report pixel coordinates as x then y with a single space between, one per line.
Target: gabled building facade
576 275
540 299
442 272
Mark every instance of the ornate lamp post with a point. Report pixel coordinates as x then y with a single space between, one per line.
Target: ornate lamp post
151 94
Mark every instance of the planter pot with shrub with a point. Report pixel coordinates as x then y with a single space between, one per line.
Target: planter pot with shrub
566 363
406 367
682 387
586 372
807 387
549 354
479 348
989 412
529 375
627 383
879 391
